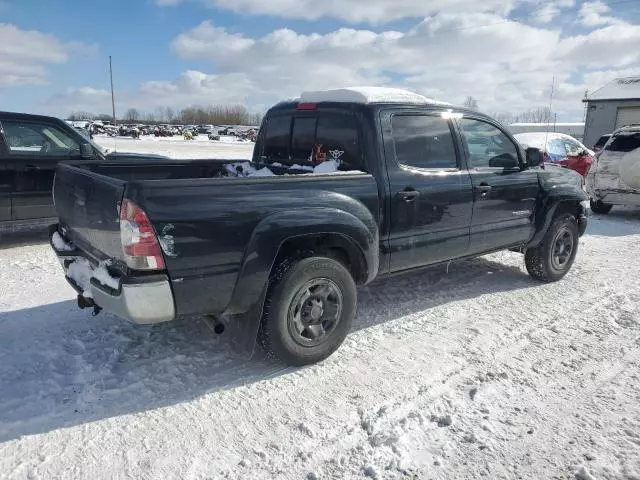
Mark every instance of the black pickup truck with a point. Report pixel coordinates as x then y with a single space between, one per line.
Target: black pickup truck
407 183
31 146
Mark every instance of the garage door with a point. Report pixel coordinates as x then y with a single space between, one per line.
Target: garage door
627 116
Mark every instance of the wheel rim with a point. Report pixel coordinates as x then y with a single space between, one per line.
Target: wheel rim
562 249
314 312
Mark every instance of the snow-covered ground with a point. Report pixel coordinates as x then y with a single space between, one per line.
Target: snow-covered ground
177 147
475 372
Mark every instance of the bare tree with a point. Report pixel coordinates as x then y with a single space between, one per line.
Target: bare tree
159 114
80 115
504 118
471 103
170 115
131 115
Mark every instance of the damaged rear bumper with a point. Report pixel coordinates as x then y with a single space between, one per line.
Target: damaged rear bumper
144 299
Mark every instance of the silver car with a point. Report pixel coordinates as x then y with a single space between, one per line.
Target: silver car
614 178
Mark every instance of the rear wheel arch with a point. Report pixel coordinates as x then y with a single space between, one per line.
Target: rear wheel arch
331 245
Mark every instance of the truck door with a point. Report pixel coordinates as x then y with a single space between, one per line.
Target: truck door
504 195
430 202
33 149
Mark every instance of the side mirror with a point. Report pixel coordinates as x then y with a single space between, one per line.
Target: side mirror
86 150
534 157
506 160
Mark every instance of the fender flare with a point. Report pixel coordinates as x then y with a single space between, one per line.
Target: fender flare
549 208
274 230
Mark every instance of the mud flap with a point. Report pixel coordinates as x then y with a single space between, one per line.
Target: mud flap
242 330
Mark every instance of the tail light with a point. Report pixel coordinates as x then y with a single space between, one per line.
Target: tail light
139 242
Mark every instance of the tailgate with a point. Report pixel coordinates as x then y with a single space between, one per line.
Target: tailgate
88 206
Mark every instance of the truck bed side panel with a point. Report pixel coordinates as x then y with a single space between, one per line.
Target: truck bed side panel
205 226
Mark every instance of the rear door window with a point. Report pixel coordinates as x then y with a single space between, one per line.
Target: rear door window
624 142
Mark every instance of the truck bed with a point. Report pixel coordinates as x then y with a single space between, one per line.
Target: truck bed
207 222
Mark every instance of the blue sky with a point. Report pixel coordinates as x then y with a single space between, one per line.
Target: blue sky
183 52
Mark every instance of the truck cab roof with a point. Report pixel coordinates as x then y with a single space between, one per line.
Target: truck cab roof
362 96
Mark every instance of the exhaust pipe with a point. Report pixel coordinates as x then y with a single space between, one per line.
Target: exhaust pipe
214 324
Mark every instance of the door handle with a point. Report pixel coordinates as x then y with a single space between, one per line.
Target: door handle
408 194
483 189
32 167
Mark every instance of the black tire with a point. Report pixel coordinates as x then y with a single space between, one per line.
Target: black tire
550 261
598 206
290 306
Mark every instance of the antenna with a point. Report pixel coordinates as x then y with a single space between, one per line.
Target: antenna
553 81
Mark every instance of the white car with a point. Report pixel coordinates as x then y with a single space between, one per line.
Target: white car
614 178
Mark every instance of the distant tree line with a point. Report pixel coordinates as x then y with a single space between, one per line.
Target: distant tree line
533 115
214 115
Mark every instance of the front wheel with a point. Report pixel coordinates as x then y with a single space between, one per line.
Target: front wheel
598 206
309 310
552 259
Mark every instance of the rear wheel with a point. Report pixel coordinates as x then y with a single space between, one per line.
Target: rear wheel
309 310
598 206
553 258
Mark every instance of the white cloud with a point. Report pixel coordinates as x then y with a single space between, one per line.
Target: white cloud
593 13
26 54
353 11
507 65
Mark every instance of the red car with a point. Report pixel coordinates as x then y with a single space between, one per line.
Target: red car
560 149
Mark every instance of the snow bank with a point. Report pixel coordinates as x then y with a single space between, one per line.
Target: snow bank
60 244
366 95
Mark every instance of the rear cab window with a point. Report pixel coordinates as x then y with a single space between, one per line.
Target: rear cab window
308 139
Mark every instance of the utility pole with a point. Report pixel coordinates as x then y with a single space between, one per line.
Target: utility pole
113 102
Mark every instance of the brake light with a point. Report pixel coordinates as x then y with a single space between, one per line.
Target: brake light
139 242
307 106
